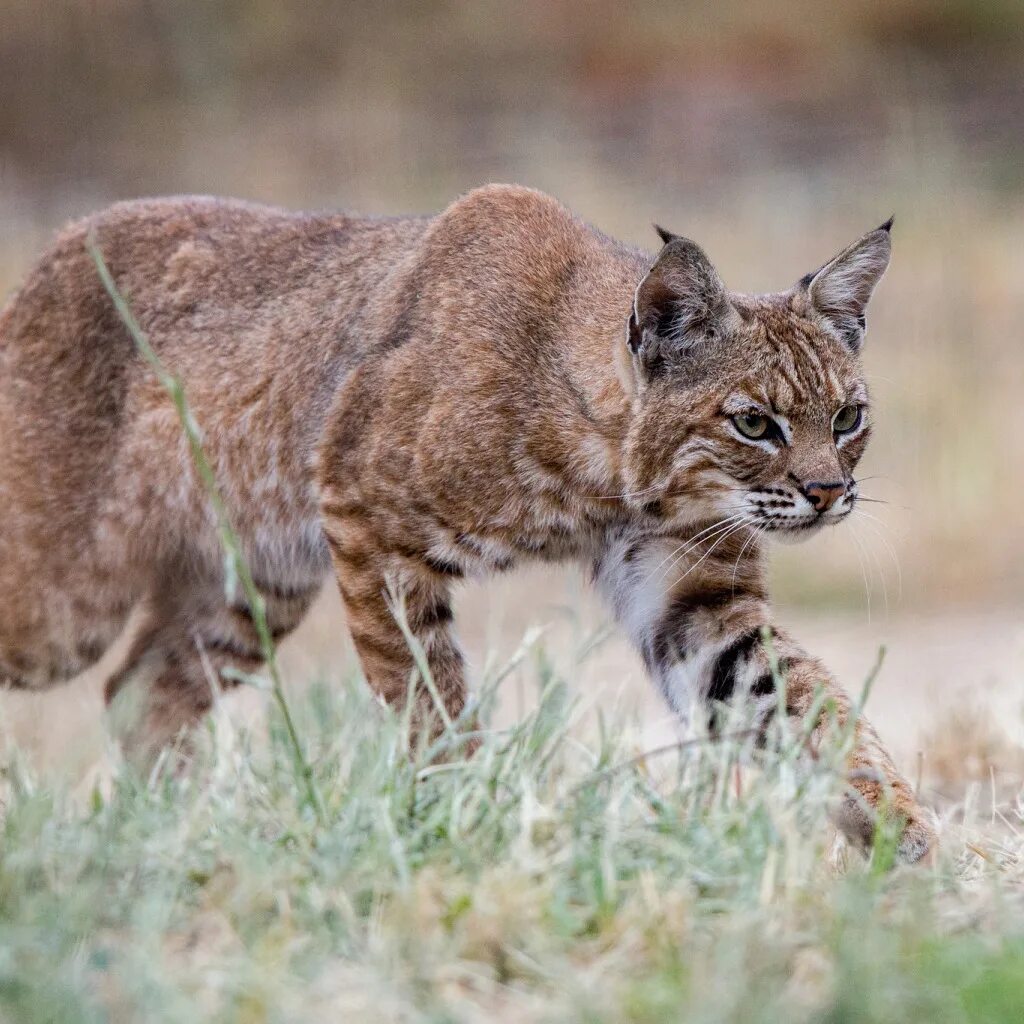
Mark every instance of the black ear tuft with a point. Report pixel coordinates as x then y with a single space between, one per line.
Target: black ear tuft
664 235
887 226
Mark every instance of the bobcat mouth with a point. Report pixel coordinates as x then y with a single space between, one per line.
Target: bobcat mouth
796 526
792 525
779 513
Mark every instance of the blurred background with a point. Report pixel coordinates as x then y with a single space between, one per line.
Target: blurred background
773 133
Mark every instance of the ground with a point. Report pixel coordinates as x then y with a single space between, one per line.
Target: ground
558 876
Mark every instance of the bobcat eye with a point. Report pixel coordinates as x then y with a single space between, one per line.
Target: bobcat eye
752 425
848 418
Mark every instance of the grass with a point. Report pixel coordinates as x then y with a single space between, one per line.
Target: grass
553 877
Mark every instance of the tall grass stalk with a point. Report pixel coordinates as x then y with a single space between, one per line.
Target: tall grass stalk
236 566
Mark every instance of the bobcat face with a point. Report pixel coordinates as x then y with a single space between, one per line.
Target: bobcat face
752 409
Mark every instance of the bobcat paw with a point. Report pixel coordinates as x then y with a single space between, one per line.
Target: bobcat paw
859 823
919 840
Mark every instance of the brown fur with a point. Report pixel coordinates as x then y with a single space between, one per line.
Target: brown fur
415 401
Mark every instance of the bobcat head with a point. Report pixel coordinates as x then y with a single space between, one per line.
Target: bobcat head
751 406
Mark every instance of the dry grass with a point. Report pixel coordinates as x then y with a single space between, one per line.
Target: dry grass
555 877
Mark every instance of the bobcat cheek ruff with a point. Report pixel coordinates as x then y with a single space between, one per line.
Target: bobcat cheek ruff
410 402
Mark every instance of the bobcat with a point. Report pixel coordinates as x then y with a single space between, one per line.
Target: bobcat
414 401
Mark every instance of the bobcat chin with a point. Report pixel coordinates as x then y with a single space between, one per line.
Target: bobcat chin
409 402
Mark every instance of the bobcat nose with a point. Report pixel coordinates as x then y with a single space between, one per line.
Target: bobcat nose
824 496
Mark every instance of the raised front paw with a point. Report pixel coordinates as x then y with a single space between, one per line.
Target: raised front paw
919 838
870 807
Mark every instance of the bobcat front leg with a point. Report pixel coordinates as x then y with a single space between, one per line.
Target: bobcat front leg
697 613
374 580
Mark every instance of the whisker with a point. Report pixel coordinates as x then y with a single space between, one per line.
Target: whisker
871 557
880 501
758 531
863 573
855 485
625 494
726 526
878 535
867 517
876 561
689 543
735 528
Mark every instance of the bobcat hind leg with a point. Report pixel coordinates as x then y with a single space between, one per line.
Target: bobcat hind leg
178 663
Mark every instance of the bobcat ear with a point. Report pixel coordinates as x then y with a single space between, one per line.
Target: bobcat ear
681 302
665 235
840 290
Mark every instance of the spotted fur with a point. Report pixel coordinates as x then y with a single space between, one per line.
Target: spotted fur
415 402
